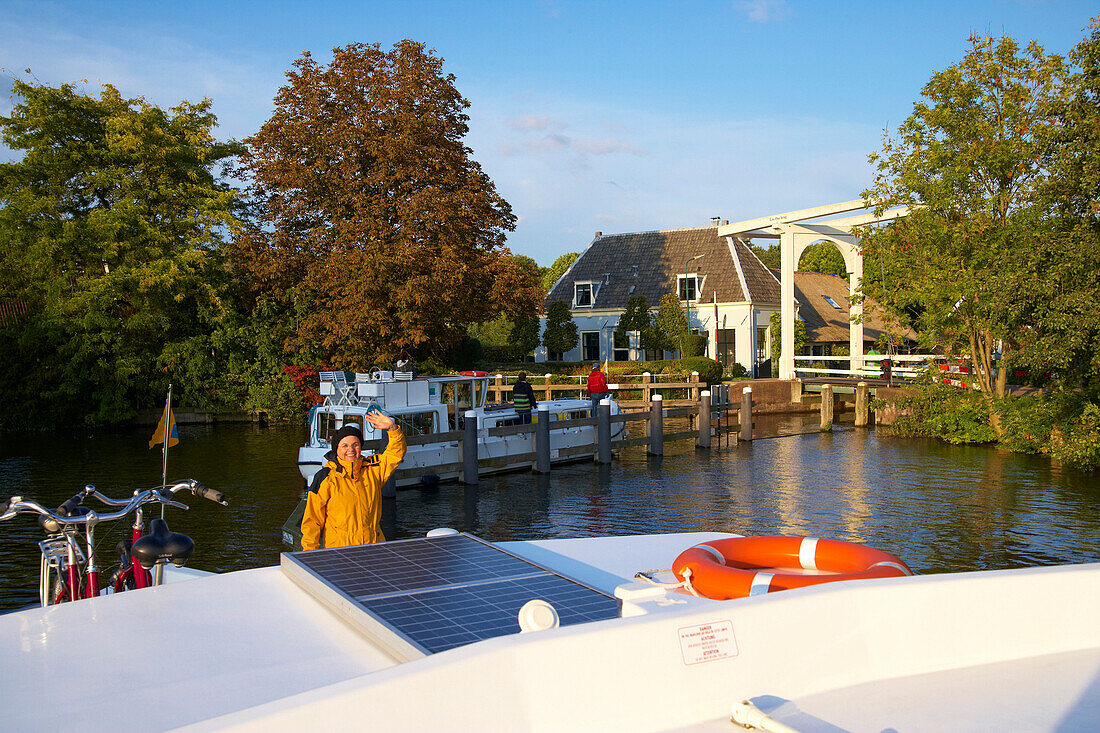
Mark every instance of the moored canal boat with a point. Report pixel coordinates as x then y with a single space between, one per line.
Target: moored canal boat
426 406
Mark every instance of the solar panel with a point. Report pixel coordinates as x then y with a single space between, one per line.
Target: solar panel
422 596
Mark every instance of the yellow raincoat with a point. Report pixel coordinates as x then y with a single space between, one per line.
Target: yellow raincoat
344 503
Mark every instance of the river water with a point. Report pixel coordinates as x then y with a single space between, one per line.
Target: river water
941 508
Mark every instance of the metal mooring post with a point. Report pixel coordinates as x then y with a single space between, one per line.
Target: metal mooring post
745 416
704 420
863 400
603 432
826 406
542 440
469 449
656 426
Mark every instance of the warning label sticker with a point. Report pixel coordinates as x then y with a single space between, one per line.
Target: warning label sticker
707 642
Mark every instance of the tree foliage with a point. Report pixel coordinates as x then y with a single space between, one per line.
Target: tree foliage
671 324
968 160
110 226
770 255
638 319
776 322
373 225
560 334
823 257
553 273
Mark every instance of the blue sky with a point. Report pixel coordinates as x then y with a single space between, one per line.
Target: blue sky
609 116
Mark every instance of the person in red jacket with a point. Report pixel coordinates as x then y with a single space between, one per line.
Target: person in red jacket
597 387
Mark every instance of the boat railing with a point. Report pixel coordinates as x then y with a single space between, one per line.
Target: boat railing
630 388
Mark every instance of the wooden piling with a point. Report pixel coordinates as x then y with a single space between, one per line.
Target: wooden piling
542 440
863 399
656 426
704 420
469 449
826 407
745 416
603 432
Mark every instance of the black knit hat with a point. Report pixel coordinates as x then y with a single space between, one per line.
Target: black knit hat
352 430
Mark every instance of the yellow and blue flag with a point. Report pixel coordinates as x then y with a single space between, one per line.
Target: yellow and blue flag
166 426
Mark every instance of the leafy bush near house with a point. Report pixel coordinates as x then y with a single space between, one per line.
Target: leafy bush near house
710 371
737 372
694 344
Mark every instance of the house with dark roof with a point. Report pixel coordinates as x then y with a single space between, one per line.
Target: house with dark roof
825 308
728 292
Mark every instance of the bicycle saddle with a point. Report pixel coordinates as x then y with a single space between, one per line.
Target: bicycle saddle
162 545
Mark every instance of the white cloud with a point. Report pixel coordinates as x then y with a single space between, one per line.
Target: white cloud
529 122
764 11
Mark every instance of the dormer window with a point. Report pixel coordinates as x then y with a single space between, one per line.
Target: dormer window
688 287
584 293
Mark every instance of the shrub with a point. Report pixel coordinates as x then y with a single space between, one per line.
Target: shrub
954 415
694 344
737 371
710 371
1079 444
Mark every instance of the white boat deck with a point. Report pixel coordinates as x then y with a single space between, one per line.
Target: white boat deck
1004 650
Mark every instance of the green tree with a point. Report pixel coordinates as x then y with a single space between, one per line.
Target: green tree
776 322
370 209
823 257
492 333
968 160
769 255
560 334
525 334
551 274
1063 267
110 228
671 324
638 319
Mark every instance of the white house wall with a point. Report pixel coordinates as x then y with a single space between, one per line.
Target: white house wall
743 318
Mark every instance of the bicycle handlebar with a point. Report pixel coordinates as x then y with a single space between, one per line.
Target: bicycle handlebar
63 515
208 493
69 506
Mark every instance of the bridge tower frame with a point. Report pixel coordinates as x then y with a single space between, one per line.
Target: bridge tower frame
796 231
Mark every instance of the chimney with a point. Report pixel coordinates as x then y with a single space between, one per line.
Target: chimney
714 220
725 222
599 234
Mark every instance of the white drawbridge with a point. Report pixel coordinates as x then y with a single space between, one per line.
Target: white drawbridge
796 231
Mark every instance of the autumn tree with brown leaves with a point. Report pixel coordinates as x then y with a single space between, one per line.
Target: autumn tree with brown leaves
373 227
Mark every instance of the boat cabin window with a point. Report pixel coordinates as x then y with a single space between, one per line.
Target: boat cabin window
329 424
416 423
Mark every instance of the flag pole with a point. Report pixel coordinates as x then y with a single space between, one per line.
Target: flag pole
168 420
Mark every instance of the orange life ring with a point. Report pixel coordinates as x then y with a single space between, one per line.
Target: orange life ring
747 566
473 374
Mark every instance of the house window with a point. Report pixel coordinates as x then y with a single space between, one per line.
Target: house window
831 302
554 356
582 295
727 346
689 287
621 343
590 346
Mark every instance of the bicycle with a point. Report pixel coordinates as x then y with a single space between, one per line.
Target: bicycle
67 573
